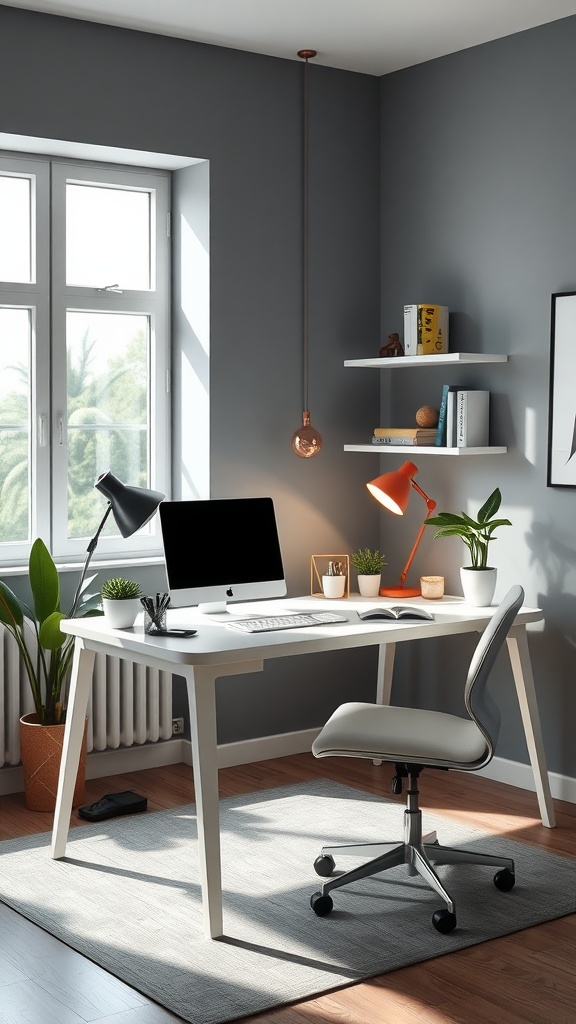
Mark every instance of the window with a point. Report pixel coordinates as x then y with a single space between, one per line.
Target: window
84 343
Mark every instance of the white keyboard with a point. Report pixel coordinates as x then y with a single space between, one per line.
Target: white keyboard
273 622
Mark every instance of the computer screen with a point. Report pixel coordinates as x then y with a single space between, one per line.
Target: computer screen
221 550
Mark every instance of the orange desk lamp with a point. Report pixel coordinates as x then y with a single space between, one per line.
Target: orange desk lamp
393 491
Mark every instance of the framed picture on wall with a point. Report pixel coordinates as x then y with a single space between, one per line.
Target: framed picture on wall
562 406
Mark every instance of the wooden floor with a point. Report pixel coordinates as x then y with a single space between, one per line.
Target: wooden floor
526 977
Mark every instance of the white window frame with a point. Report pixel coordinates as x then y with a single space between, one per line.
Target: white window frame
34 296
50 297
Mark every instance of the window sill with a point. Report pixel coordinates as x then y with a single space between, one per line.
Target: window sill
95 565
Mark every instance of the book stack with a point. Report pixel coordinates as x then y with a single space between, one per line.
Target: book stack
464 418
425 329
404 435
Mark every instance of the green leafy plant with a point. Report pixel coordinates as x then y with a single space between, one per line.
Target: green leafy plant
119 589
367 562
476 533
45 650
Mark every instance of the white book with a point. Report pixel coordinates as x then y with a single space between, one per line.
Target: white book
472 419
451 419
411 330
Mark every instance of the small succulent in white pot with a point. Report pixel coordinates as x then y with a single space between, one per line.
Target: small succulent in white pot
368 565
121 601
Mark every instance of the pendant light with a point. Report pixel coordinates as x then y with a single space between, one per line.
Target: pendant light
306 441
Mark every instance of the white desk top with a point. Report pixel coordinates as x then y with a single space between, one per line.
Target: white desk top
214 644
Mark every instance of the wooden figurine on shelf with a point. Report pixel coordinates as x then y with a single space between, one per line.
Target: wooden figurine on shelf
393 347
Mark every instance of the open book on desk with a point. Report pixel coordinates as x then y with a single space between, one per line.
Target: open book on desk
402 612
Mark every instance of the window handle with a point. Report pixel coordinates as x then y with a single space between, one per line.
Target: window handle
42 430
110 288
60 430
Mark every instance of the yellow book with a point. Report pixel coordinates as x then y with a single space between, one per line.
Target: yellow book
404 431
425 329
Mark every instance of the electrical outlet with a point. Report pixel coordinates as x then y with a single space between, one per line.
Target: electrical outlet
177 726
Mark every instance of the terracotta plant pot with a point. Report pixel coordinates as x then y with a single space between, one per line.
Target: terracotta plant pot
41 752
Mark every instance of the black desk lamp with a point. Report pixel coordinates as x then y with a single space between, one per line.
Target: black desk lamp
132 508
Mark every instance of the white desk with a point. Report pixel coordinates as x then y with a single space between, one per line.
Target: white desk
217 651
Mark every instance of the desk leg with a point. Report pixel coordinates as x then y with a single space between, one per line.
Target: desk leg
81 681
384 675
386 654
201 683
517 641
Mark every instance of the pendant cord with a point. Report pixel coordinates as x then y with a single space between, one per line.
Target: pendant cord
305 54
305 235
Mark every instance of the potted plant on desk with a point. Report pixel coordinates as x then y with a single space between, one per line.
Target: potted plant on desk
121 602
368 565
478 578
46 654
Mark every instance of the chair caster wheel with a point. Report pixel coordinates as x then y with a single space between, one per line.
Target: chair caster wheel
324 865
444 921
504 880
321 905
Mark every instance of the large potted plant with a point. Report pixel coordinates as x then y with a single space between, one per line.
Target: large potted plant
46 654
368 565
478 578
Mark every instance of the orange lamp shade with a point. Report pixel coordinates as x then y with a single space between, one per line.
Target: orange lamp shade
393 489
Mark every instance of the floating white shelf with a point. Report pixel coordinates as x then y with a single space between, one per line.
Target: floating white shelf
448 359
421 449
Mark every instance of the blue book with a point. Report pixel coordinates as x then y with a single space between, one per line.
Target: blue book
441 438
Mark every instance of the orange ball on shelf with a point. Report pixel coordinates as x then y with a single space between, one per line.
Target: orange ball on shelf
427 416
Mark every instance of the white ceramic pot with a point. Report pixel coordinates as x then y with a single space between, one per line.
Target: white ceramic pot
333 586
478 585
121 613
369 585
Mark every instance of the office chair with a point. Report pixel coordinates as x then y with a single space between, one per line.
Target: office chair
414 739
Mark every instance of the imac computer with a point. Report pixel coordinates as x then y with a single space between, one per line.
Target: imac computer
221 550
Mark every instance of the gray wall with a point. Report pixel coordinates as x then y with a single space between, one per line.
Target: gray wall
82 82
479 213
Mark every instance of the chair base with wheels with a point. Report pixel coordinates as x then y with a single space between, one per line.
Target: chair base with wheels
419 853
414 739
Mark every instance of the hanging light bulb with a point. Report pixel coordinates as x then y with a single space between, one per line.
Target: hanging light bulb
306 441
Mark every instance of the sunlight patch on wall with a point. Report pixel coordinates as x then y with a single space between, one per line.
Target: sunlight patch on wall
530 436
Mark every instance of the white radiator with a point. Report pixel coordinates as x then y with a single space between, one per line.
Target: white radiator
129 704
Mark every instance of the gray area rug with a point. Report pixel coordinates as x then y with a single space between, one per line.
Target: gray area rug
127 897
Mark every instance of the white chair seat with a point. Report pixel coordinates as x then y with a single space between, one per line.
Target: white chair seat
402 734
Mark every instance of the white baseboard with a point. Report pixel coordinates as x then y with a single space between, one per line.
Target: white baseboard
108 762
515 773
264 748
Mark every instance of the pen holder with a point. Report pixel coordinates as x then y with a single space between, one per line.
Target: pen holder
154 624
155 613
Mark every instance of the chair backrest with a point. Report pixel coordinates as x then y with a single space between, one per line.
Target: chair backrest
479 704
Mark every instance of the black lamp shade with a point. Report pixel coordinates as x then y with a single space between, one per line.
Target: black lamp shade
132 507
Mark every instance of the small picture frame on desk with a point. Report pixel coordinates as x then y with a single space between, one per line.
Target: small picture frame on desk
319 574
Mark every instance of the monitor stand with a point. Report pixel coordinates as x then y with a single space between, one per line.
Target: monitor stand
212 607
